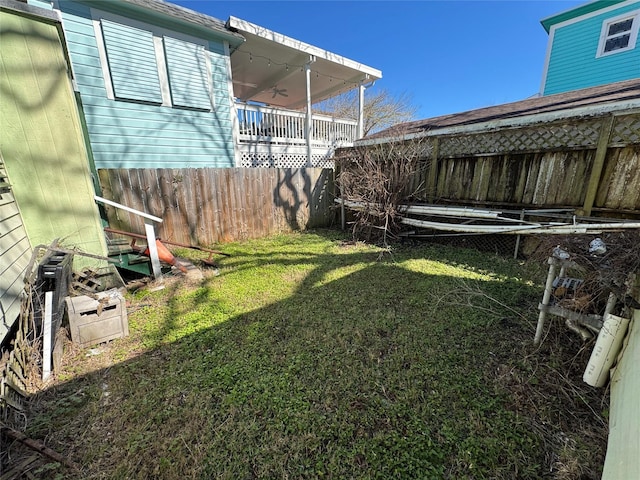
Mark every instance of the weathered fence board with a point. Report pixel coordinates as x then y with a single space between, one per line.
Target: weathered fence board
620 186
550 164
209 206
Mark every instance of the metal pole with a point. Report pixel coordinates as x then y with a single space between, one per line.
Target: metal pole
545 300
515 252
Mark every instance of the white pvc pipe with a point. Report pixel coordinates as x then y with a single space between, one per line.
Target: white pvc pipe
127 209
153 248
552 228
605 350
46 335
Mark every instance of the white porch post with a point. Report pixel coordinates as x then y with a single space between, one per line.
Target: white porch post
309 120
361 89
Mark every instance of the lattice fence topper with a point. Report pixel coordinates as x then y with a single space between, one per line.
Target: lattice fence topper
626 131
524 139
269 160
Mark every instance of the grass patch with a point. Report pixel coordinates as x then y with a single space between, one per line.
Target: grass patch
309 357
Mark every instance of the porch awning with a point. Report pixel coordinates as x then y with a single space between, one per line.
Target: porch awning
269 68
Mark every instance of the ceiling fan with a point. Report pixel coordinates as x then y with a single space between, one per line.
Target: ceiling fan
279 91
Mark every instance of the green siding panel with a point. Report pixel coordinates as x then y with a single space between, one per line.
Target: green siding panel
41 142
119 123
573 64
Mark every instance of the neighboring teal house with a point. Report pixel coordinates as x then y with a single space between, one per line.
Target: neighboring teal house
590 45
154 83
162 86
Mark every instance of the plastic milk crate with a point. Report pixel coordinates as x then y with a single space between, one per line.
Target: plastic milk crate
93 321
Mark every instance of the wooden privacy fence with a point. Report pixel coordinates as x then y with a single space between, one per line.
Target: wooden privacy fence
587 163
205 206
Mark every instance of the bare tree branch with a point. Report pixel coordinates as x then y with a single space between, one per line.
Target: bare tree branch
380 178
381 109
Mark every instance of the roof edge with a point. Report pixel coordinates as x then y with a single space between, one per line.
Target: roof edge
240 25
170 12
511 122
30 10
575 12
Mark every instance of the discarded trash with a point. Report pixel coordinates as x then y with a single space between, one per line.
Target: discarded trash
560 254
597 246
563 286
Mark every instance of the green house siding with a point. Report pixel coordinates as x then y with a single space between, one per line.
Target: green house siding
573 62
41 142
128 132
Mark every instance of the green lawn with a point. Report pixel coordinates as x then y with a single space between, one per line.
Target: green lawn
310 357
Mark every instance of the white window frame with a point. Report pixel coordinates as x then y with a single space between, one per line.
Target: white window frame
633 33
158 34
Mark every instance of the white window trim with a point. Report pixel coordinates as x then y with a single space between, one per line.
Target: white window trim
158 33
633 34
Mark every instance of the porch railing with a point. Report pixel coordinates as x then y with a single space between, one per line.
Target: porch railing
268 125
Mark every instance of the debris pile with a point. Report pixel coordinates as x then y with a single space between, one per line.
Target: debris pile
599 265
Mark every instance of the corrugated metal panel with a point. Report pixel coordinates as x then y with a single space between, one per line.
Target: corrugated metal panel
208 206
116 129
188 74
132 62
573 63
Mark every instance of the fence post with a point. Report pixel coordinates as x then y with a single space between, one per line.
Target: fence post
598 165
433 171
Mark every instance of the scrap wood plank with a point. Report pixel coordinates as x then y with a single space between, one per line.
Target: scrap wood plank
38 446
16 365
12 399
22 468
11 381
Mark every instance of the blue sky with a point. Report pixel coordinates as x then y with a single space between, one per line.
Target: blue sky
448 56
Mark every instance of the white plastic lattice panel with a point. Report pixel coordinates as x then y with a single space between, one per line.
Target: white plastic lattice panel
266 160
626 130
544 137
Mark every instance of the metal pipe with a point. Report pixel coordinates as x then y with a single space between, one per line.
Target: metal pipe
517 247
545 300
611 303
553 228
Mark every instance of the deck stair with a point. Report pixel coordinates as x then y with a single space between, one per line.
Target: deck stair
121 251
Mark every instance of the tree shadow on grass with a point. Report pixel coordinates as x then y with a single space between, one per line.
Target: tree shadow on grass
359 373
